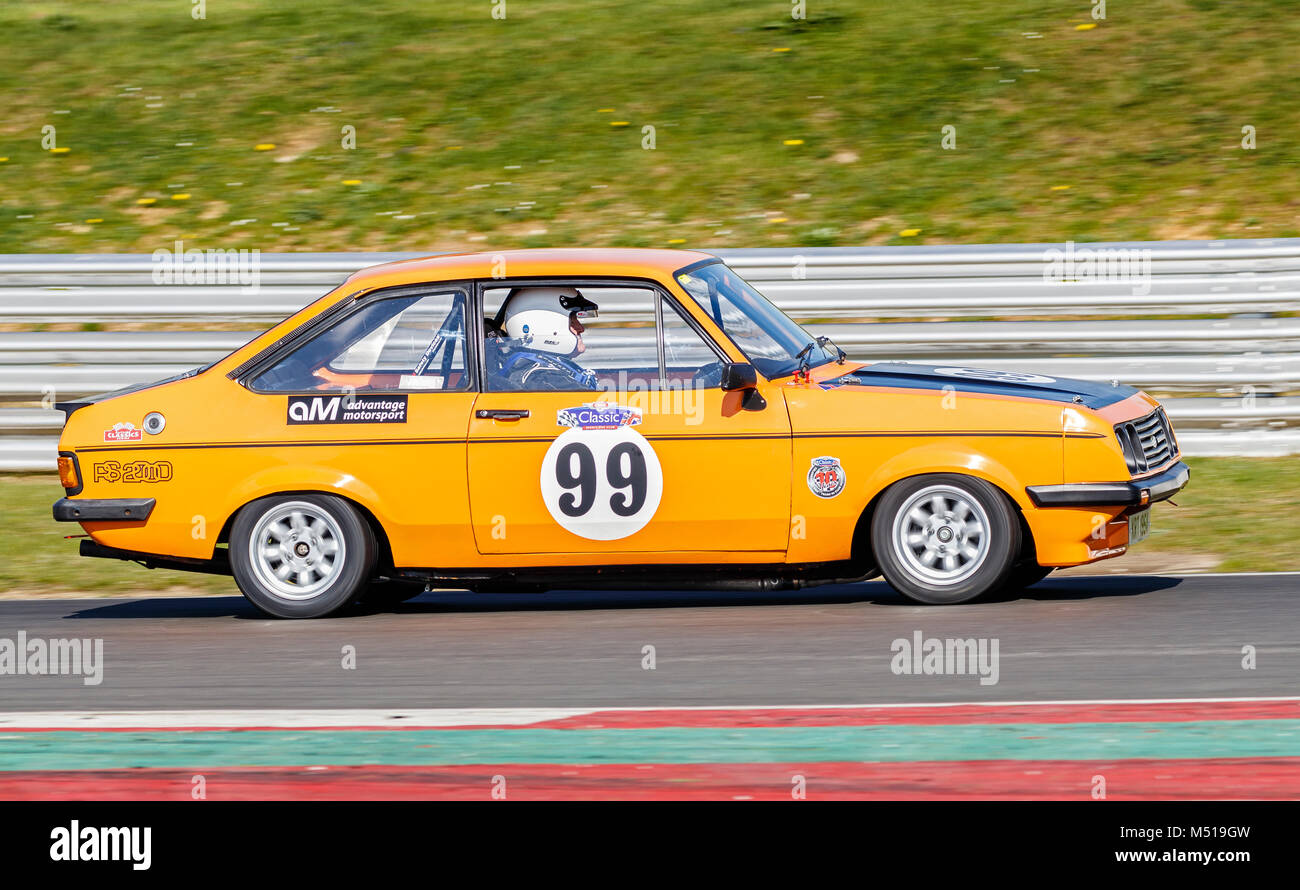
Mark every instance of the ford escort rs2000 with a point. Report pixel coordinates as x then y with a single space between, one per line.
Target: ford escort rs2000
599 418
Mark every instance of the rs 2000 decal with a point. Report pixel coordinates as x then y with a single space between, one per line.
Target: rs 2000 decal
133 471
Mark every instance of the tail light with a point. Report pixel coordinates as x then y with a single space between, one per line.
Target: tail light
69 477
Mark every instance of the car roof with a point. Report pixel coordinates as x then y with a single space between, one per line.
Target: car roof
576 262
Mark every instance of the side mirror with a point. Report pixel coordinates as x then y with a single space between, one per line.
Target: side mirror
738 376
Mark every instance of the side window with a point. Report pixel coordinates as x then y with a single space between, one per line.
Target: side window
611 347
685 351
407 343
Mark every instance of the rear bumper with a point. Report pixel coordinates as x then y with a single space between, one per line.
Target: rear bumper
1139 492
103 509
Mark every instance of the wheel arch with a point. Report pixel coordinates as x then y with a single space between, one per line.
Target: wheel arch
385 552
975 465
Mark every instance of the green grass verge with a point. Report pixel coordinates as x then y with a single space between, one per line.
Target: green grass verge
36 559
1241 510
768 130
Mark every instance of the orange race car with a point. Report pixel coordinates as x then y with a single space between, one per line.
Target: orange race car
599 418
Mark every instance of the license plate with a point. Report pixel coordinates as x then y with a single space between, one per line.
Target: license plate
1139 526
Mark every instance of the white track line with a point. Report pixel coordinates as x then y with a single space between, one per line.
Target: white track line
1199 574
453 717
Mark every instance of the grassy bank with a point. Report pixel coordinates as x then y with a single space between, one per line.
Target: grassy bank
1239 510
768 130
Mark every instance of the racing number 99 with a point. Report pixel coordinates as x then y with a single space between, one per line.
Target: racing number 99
575 468
601 484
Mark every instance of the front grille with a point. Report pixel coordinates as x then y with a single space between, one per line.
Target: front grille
1148 442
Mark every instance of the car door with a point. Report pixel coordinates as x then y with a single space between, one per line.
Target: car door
658 463
375 405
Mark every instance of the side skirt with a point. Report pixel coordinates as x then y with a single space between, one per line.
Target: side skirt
726 576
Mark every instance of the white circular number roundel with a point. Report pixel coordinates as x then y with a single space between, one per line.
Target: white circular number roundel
1004 376
602 485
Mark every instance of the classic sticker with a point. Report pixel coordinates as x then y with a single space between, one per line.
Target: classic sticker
826 477
347 409
602 483
997 376
598 416
123 432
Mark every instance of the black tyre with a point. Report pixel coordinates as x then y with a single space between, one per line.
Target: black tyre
301 556
945 538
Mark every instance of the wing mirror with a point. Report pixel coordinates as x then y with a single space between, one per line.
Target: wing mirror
741 376
738 375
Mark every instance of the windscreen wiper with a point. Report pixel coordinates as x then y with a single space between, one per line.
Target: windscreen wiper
802 356
841 355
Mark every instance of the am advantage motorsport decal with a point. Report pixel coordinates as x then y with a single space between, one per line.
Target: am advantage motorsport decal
347 409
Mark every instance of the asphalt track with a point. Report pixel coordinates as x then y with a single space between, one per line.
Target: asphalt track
1080 638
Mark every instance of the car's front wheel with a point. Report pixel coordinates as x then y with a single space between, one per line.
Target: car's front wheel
945 538
301 556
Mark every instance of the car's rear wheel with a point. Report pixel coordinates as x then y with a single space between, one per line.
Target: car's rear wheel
301 556
945 538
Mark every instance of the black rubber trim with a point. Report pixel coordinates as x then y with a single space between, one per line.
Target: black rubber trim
1160 487
103 509
768 576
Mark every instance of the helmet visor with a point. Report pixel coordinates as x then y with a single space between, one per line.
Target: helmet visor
579 306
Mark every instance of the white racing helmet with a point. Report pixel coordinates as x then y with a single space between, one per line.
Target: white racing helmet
546 318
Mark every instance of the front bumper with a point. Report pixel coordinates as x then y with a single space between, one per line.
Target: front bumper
103 509
1139 492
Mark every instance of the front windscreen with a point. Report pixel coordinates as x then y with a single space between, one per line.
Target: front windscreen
772 342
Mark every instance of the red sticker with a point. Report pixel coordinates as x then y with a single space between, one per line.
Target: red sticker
123 432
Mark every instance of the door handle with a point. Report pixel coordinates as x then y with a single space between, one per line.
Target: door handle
501 413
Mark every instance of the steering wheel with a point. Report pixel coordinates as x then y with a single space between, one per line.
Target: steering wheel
708 376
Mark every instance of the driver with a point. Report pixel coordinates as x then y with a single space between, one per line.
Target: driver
539 334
